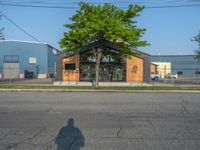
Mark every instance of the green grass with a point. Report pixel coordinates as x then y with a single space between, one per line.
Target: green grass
15 86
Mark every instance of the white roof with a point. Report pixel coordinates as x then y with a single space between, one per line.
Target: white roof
23 41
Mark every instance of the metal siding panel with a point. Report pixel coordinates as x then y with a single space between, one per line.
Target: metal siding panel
51 60
24 51
59 60
146 68
185 63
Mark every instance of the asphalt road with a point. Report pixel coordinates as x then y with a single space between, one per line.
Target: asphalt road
99 121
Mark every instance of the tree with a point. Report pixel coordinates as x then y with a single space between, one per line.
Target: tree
104 23
1 34
197 39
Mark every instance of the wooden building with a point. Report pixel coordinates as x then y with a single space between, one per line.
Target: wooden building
80 67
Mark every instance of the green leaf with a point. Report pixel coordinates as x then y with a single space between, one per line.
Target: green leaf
104 22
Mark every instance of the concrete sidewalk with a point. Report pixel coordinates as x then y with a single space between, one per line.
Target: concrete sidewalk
117 91
71 83
27 81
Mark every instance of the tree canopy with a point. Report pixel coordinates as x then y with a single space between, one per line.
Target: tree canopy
104 22
94 23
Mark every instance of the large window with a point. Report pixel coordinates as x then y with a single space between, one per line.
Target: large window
87 71
113 72
110 70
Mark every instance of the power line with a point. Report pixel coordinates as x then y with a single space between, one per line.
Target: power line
40 6
33 2
38 2
59 5
21 29
173 6
114 2
75 7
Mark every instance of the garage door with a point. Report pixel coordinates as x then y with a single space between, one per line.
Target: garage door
11 70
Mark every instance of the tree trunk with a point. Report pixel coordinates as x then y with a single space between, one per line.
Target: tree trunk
98 61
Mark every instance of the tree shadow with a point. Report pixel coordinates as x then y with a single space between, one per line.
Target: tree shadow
69 137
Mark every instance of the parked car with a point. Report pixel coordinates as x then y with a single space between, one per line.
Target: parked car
155 76
171 76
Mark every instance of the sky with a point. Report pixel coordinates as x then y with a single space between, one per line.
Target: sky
169 30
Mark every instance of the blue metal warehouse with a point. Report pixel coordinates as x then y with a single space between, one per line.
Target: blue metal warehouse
20 59
185 66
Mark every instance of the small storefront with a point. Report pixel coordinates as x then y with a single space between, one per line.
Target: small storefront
81 67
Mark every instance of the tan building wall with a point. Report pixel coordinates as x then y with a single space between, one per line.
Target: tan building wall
135 69
71 75
163 68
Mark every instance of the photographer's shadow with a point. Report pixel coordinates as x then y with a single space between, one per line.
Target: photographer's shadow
69 137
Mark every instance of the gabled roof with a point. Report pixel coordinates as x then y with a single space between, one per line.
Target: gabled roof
110 45
173 55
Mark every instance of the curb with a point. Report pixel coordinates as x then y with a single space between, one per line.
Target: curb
125 91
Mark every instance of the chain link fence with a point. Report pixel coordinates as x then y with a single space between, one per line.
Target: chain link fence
176 76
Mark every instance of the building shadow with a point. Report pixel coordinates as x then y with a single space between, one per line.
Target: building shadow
69 137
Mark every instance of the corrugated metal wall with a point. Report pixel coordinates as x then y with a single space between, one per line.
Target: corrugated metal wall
40 52
187 64
59 61
146 68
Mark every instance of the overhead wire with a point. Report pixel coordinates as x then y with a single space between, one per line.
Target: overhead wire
76 7
20 28
115 2
49 5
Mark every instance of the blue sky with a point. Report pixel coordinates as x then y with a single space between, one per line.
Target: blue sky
168 30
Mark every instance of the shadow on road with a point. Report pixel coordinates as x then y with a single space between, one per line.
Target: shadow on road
69 137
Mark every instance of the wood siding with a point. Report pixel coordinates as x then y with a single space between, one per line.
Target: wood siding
71 75
135 69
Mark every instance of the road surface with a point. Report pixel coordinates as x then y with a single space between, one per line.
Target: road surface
99 121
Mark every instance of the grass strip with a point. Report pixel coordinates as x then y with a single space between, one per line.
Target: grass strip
20 86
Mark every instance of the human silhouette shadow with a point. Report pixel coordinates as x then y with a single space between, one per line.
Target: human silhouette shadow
69 137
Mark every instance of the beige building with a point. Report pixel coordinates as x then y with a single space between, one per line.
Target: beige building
163 68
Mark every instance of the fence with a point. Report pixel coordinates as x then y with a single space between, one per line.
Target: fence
42 75
176 76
